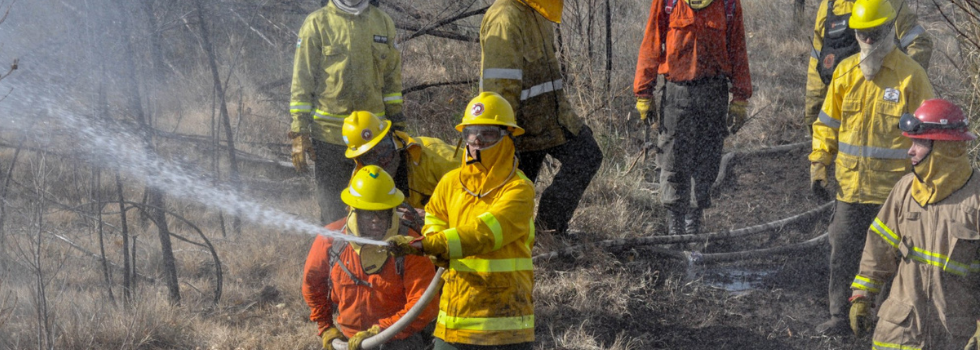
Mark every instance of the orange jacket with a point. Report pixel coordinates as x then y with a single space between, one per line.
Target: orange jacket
359 307
699 44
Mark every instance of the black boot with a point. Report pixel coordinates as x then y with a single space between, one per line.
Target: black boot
675 222
692 221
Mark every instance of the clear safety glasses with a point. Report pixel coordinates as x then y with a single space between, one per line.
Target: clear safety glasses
483 135
874 34
381 154
913 125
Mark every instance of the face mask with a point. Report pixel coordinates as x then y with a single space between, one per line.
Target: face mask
873 55
354 7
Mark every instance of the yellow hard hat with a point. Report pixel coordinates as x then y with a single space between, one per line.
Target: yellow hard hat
867 14
371 188
362 130
489 108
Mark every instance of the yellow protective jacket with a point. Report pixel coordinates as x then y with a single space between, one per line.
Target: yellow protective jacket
933 254
344 63
912 39
480 220
519 63
427 160
859 125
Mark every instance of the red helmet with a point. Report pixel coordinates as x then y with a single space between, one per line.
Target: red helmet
937 119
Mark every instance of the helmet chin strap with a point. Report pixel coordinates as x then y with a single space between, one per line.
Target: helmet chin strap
478 153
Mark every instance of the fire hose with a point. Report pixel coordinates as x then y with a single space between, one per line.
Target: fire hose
719 235
398 326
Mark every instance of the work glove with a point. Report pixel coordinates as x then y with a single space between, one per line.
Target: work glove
329 335
398 121
818 180
974 343
860 315
439 262
355 342
737 113
403 245
302 145
644 105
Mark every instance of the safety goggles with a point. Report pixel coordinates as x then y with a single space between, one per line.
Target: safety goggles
381 154
913 125
874 34
486 135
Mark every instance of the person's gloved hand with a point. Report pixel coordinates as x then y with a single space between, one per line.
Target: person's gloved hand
329 335
644 105
355 342
860 315
974 343
818 180
404 245
439 262
302 145
737 113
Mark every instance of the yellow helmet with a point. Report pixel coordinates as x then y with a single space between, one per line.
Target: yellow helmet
371 188
549 9
489 108
867 14
362 130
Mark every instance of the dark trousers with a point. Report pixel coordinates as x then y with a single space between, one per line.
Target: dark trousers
441 345
413 342
847 232
692 136
332 172
580 159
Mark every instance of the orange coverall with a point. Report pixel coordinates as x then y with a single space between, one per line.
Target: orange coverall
359 307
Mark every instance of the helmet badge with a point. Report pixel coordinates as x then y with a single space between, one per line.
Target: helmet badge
477 109
366 134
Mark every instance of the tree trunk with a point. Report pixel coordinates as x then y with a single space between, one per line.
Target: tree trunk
127 281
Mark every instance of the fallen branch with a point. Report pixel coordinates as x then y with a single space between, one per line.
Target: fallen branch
704 237
728 158
699 258
429 85
427 29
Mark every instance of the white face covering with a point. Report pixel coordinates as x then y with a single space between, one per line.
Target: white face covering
872 55
354 7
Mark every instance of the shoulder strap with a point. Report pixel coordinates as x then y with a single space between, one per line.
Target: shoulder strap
669 6
400 260
729 10
334 255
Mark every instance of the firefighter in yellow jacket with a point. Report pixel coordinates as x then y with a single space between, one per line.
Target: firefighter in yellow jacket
833 41
346 60
519 63
926 242
859 126
417 164
479 223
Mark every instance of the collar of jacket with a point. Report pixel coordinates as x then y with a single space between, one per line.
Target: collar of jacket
406 143
549 9
373 257
945 170
497 164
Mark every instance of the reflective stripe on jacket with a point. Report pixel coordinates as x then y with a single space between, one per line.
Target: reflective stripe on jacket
688 45
359 307
912 39
487 297
518 62
344 63
859 125
933 254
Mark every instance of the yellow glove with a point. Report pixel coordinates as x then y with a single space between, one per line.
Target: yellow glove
736 115
818 180
355 342
302 145
404 245
974 343
860 315
644 105
329 335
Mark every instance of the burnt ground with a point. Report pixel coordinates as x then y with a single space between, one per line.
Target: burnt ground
638 299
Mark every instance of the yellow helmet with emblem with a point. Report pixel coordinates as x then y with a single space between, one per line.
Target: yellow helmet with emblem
867 14
489 108
363 130
371 188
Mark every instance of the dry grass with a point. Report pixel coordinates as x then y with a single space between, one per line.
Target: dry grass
632 299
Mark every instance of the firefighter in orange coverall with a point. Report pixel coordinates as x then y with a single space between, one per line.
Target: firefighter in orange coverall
699 48
369 289
926 241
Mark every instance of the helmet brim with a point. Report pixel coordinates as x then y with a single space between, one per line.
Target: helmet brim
943 135
358 203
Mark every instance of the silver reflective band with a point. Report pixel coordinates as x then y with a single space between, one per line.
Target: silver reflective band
502 73
911 35
827 120
539 89
873 152
814 53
